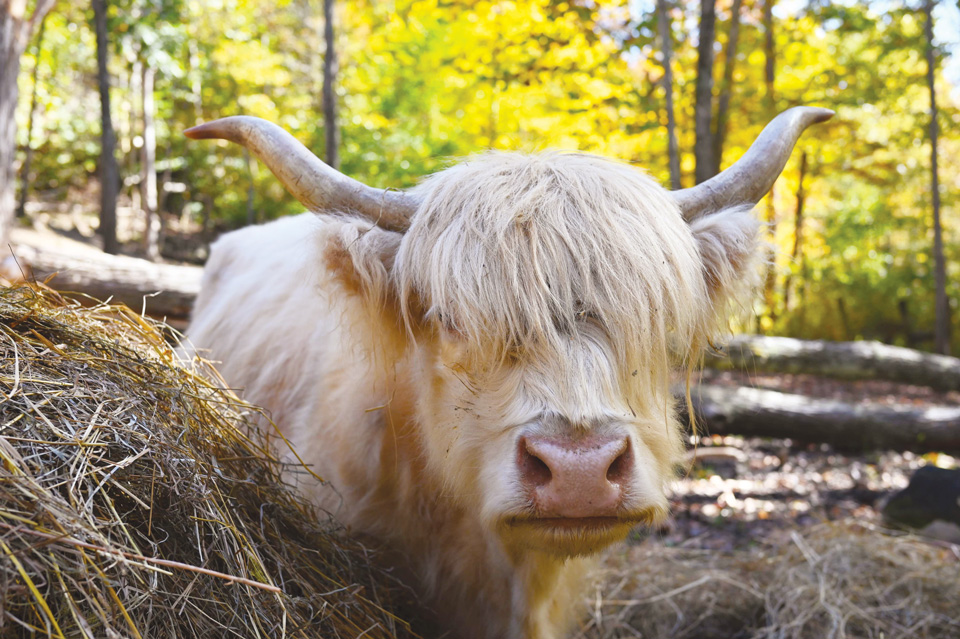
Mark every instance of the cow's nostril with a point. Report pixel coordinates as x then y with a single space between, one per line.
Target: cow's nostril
534 471
621 467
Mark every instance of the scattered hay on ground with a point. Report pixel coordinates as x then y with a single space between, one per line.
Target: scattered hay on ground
832 581
136 502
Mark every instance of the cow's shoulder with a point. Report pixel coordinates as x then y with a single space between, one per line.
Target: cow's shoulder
255 282
275 248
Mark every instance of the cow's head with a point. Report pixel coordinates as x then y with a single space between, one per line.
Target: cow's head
546 300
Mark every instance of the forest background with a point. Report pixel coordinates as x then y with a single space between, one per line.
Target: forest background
419 83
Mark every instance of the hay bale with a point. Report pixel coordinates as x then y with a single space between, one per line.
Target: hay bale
135 500
834 581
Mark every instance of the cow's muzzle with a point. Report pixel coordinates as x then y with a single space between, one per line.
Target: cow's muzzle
582 479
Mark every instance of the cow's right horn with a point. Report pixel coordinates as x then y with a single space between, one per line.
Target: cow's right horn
316 185
752 176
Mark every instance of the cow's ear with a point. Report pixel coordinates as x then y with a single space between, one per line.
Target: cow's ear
730 251
360 257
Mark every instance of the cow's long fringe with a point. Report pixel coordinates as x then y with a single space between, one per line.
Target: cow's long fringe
528 253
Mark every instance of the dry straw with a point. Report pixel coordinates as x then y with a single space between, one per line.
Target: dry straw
136 502
834 581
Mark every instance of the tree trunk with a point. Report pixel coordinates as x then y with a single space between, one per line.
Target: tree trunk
769 56
11 48
844 317
25 177
206 213
148 179
108 161
194 78
770 211
131 124
15 33
796 254
164 183
942 305
703 147
753 412
726 88
331 128
127 123
842 360
251 173
770 279
666 48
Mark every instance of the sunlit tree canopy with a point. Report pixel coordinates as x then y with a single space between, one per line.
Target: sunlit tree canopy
421 82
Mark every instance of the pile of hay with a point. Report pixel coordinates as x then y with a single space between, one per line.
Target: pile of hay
135 502
833 581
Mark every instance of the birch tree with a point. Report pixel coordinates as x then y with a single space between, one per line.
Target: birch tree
16 31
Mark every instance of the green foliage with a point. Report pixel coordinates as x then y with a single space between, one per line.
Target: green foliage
422 81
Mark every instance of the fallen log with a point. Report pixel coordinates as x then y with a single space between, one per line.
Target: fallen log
754 412
164 291
842 360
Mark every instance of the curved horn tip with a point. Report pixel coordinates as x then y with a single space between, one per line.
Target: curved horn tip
234 128
817 114
221 129
206 131
749 179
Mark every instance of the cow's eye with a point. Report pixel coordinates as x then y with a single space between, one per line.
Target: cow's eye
592 318
447 325
445 320
586 314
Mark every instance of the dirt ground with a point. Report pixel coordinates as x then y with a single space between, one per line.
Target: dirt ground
739 492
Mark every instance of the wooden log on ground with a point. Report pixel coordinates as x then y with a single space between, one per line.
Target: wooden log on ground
164 291
755 412
842 360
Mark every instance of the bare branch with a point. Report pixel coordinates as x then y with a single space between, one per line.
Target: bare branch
39 13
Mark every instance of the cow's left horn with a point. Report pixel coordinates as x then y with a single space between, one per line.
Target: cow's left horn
316 185
749 179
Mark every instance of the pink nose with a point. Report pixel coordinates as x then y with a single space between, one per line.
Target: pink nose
575 478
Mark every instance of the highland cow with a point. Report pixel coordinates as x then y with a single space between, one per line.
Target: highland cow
480 367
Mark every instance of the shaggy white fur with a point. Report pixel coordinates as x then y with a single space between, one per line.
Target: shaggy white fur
531 294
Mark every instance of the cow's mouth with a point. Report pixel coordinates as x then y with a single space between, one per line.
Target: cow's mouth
575 523
570 536
643 516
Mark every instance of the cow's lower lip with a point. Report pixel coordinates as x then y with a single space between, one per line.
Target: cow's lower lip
570 536
575 523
